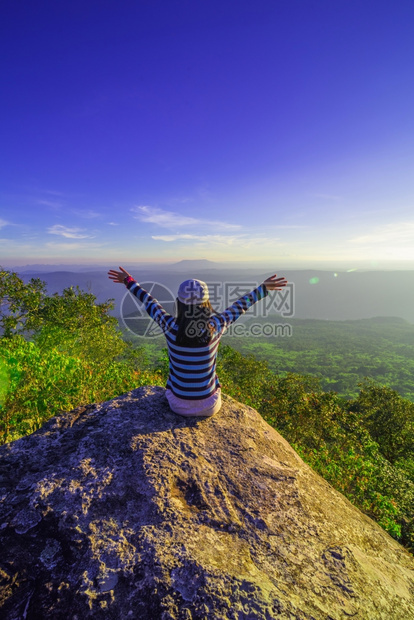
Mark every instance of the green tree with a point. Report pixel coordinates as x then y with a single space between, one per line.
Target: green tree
19 302
389 419
73 322
70 322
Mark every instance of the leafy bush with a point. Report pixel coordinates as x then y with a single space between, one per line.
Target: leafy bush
389 419
43 383
72 357
243 377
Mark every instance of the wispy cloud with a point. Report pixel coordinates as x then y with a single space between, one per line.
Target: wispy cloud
11 248
70 233
221 239
54 204
171 219
64 247
88 214
239 241
328 196
400 232
3 223
113 223
52 192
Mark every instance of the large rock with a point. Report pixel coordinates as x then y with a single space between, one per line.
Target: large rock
125 510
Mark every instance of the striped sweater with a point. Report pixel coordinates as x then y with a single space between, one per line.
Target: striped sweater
192 370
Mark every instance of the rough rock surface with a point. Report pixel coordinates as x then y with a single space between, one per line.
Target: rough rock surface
125 510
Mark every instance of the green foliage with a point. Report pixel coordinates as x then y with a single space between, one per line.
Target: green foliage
19 302
4 381
71 322
78 314
43 383
389 419
243 377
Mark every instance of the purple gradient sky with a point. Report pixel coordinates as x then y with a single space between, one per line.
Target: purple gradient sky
270 131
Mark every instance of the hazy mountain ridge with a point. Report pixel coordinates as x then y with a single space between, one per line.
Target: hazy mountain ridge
317 294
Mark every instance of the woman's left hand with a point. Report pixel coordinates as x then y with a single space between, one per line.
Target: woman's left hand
274 283
118 276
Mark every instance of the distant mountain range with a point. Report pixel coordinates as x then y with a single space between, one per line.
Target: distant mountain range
318 294
182 265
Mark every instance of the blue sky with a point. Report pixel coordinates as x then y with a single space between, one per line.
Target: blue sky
268 131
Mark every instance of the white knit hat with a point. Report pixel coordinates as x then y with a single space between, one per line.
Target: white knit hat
193 292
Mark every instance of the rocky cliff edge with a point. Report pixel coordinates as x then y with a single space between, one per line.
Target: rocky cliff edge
125 510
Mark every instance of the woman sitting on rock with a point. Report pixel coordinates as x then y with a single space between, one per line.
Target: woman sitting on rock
193 336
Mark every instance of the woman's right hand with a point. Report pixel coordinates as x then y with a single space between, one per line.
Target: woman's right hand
118 276
275 284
